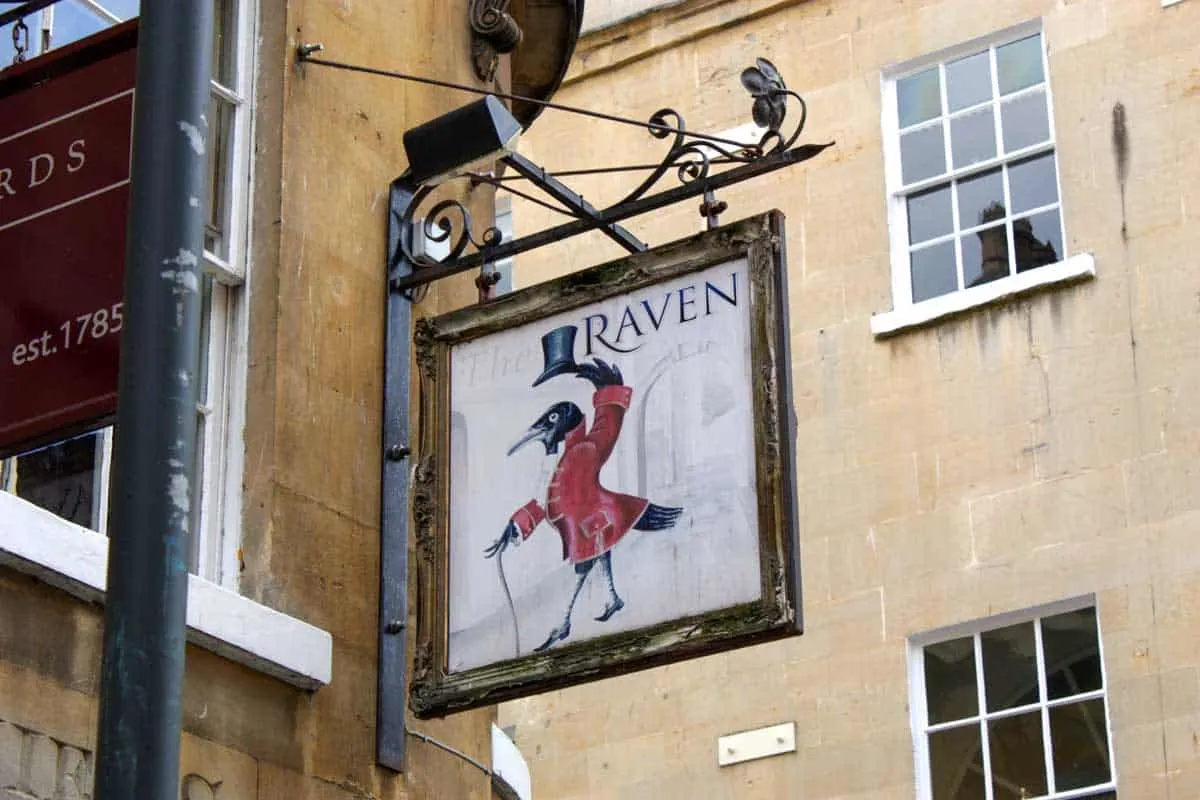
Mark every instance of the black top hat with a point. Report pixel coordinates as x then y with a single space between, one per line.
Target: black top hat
558 353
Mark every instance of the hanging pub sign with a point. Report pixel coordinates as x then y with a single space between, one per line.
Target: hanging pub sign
605 472
65 122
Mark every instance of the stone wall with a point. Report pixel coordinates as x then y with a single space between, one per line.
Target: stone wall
36 767
327 145
1016 455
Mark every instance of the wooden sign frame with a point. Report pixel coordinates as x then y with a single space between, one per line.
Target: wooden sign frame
437 689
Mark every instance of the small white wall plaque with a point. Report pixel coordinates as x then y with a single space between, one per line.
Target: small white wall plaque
760 743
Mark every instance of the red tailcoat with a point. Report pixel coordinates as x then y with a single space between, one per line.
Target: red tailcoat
589 518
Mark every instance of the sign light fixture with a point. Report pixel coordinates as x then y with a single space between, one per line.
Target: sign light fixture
454 143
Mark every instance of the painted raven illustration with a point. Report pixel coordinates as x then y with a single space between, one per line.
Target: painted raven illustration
589 518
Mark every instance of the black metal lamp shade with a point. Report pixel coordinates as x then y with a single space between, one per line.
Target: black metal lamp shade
467 136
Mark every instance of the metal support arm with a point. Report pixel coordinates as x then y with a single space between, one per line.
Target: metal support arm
696 188
393 540
562 193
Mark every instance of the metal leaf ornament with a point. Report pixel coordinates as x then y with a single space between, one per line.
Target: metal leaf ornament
766 86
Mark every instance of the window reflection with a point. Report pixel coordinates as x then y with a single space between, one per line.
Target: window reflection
973 137
968 81
919 97
1033 183
930 215
1025 121
1044 727
1019 64
956 758
1079 737
1010 667
934 271
1018 756
978 199
950 680
60 478
1072 649
1037 240
922 153
985 255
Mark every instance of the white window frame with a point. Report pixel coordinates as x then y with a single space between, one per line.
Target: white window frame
223 411
905 313
919 708
37 542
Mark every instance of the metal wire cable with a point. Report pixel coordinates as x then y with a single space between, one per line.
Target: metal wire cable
303 53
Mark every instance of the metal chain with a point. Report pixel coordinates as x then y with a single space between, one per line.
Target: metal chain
20 39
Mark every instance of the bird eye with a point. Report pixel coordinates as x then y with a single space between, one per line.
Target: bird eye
553 416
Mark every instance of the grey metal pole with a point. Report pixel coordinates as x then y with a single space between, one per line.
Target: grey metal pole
141 681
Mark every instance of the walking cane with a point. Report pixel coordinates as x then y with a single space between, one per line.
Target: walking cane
511 608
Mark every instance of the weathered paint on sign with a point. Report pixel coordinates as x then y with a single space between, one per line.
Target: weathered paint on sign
628 476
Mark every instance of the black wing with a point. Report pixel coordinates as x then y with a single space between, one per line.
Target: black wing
657 518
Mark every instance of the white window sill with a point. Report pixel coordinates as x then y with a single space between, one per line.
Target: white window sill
1075 268
75 559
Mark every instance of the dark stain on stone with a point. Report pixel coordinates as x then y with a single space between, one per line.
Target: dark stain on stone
1120 144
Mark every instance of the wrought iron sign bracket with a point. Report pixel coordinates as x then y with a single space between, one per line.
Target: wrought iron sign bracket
691 156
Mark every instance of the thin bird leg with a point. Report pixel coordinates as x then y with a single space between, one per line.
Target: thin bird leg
615 603
564 630
606 568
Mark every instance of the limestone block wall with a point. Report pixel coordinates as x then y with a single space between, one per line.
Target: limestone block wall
36 767
1016 455
326 147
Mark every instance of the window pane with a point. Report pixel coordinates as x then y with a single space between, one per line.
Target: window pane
224 53
1072 649
61 478
1038 242
1033 183
973 137
950 666
922 154
220 132
980 199
72 22
1079 739
935 272
968 81
1019 64
125 9
919 97
956 764
1025 121
930 215
1018 759
985 258
1009 654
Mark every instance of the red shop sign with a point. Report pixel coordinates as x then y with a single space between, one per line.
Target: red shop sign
65 130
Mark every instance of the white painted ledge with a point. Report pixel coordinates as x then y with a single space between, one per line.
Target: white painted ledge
1070 270
75 559
509 764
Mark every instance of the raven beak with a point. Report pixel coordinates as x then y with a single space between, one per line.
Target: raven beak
529 436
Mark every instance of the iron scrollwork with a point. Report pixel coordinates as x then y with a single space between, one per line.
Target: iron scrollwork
692 157
447 221
493 31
